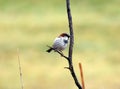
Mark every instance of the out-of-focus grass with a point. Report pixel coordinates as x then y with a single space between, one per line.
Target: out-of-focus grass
31 25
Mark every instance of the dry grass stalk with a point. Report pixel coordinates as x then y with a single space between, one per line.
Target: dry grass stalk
20 70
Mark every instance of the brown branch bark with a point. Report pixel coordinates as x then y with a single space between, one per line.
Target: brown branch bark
71 45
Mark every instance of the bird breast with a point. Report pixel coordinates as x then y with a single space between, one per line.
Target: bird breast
60 43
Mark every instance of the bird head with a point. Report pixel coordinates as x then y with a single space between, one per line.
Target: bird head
64 35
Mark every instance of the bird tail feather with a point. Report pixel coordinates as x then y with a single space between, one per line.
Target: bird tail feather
49 50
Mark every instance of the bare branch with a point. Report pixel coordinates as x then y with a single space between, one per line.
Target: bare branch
71 45
69 58
70 29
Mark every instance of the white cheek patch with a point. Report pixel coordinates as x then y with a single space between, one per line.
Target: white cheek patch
65 38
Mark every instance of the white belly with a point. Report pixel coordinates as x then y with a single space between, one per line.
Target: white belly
59 44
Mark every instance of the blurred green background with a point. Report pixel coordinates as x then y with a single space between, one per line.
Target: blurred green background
30 25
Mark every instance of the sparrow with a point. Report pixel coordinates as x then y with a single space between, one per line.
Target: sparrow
60 43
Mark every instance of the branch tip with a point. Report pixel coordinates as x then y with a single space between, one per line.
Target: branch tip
67 68
59 52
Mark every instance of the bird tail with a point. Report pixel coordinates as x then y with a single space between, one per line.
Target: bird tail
49 50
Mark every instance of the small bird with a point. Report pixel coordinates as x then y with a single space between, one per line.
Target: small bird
60 43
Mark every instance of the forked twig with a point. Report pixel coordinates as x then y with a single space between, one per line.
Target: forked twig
59 52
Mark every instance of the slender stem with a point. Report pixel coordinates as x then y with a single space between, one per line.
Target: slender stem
70 29
81 74
20 70
71 45
59 52
69 58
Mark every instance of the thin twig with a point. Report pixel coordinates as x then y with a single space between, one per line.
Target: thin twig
67 68
81 74
20 70
58 52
